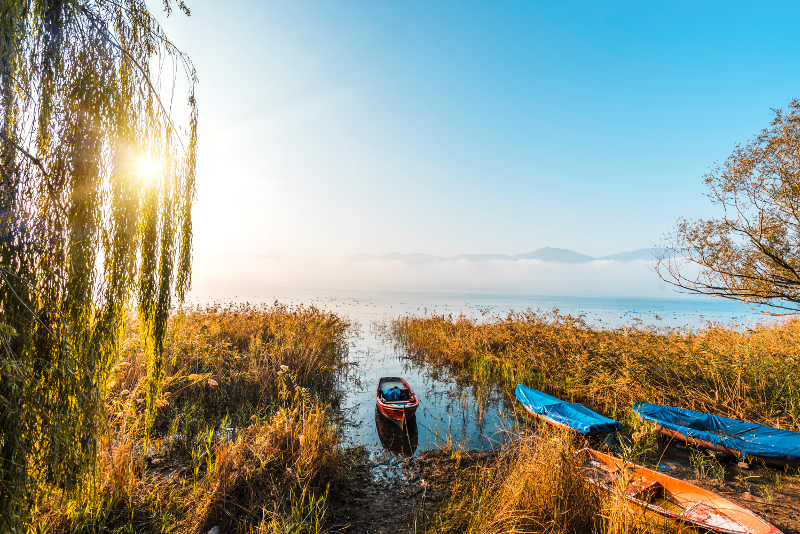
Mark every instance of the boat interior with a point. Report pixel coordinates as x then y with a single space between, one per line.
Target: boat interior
652 492
688 506
394 382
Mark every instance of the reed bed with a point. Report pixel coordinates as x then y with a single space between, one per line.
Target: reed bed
536 484
744 373
244 437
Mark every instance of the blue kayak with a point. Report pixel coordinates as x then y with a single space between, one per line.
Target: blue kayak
569 414
773 445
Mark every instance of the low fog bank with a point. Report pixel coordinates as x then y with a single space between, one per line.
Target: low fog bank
245 275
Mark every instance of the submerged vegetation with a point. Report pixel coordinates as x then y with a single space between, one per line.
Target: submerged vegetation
243 437
751 374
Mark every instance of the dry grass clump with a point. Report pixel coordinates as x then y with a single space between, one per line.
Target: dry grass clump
225 360
243 437
294 451
537 484
750 374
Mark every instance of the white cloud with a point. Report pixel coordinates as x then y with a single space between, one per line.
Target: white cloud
251 274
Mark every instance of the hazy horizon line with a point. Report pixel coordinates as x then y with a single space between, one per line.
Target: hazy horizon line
552 254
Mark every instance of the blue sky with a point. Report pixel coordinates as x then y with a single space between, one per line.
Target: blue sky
463 127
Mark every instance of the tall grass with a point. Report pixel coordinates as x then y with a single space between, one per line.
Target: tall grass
244 436
745 373
537 484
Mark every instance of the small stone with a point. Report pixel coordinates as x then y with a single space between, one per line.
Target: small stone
214 530
743 465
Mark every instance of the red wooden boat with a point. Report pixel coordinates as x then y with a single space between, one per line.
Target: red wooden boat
397 409
395 438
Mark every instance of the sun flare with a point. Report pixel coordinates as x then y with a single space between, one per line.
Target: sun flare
147 168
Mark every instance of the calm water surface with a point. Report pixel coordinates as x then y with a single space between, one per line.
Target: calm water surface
477 420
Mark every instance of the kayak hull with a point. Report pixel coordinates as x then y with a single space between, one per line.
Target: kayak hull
569 415
672 499
747 441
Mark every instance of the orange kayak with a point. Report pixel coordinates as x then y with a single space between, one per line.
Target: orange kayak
680 501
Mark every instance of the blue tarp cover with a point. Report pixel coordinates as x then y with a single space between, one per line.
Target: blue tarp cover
391 394
749 438
571 414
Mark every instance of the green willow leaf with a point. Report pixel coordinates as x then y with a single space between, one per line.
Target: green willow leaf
96 191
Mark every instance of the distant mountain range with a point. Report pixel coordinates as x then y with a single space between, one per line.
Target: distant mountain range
559 255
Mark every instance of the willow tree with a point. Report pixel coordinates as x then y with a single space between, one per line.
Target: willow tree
750 253
96 193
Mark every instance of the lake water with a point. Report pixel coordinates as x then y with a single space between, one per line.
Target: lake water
445 408
369 306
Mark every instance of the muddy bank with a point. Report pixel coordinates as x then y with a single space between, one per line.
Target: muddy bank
384 498
389 496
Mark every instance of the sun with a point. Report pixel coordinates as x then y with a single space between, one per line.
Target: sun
147 168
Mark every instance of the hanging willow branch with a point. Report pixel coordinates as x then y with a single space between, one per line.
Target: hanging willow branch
84 231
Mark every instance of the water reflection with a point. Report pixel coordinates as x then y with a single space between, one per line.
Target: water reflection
393 437
448 410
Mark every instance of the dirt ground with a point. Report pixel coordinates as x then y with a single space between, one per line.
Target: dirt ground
386 498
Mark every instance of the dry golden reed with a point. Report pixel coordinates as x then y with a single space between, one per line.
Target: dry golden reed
744 373
244 436
537 484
